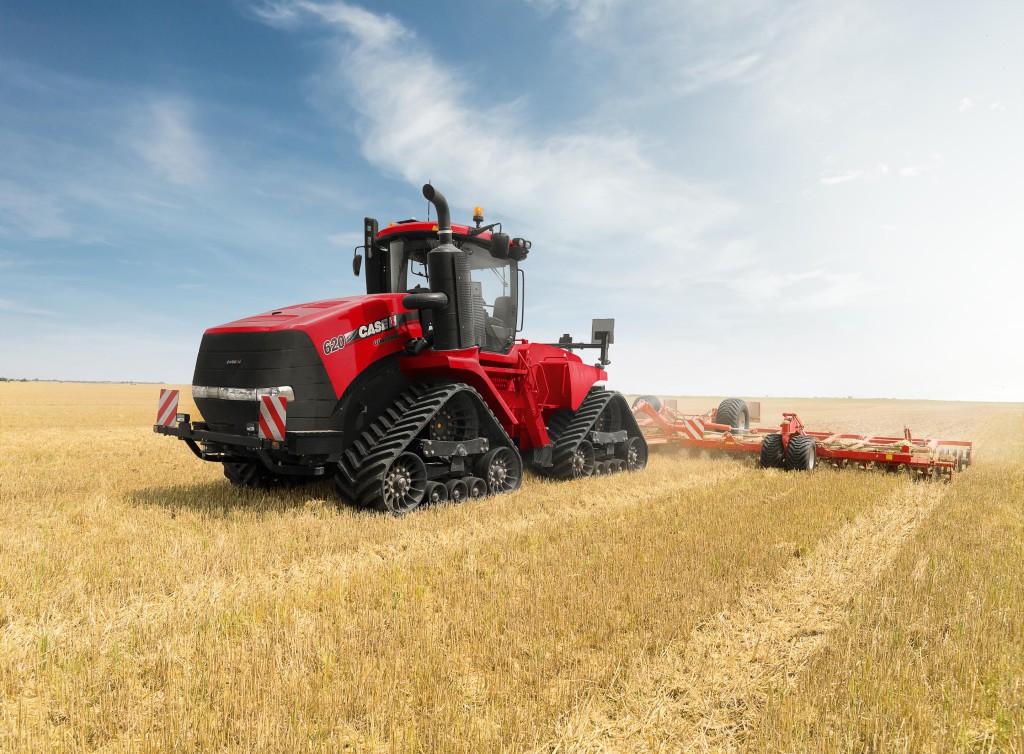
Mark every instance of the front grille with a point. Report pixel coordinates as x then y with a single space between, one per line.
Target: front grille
264 359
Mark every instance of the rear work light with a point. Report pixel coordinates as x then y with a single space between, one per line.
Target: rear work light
242 393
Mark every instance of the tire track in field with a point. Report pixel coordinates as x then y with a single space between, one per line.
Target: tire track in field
203 595
469 532
704 695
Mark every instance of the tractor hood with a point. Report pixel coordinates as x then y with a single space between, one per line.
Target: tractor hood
315 315
317 349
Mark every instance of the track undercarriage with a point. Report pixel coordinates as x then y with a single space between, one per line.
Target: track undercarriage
441 442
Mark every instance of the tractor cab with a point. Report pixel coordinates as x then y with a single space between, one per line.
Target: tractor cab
488 286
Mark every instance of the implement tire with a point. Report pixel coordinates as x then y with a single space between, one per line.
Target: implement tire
653 400
734 412
801 453
772 454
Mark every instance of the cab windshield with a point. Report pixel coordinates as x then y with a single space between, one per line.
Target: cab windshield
495 295
495 285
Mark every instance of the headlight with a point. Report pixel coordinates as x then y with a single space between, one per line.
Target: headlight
241 393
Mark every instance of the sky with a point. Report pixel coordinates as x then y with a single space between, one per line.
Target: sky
770 198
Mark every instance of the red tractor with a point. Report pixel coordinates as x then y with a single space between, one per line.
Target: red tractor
411 393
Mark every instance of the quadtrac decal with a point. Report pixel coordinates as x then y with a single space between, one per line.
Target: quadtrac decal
369 330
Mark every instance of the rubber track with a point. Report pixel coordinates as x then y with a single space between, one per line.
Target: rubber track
583 423
361 470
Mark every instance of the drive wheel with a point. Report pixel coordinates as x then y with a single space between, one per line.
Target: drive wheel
633 453
405 484
502 469
772 455
734 412
801 454
250 474
457 420
610 419
582 461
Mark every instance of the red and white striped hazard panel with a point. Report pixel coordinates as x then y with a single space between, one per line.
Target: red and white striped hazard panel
273 412
692 428
167 407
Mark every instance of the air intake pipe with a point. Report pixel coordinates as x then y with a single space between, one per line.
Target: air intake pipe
453 322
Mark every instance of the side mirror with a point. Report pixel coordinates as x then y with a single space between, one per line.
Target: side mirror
500 245
425 300
357 264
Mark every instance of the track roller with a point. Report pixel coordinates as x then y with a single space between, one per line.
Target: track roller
477 487
436 493
458 490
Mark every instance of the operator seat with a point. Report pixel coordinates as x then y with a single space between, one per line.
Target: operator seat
501 326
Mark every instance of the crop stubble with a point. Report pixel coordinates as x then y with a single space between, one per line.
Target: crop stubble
147 605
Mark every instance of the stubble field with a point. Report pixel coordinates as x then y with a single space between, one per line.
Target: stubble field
704 604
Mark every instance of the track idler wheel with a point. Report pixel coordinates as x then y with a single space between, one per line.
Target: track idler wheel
501 469
632 453
772 453
801 453
405 484
601 468
581 462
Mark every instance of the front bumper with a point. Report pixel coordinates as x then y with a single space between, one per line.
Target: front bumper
299 454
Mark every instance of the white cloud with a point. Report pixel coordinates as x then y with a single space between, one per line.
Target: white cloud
849 175
933 162
588 15
583 186
831 179
35 214
165 139
965 104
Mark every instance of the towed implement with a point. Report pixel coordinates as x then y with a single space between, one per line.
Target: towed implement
412 393
791 446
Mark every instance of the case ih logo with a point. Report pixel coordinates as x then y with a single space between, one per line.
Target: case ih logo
332 345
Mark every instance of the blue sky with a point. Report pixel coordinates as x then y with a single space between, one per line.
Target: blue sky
802 198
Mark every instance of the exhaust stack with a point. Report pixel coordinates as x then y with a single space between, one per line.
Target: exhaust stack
452 317
444 216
